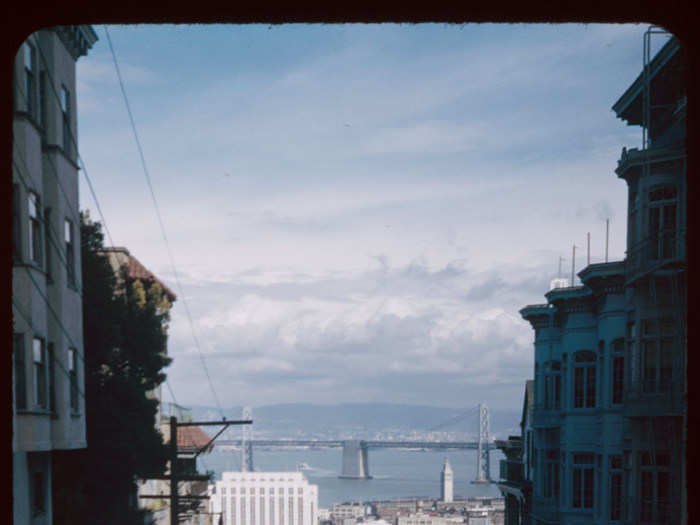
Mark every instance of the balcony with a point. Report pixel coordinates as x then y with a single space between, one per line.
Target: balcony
635 158
664 252
512 471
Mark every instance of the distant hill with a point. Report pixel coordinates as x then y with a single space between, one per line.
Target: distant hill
342 420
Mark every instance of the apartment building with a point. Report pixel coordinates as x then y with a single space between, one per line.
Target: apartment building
48 410
262 498
655 351
517 470
610 390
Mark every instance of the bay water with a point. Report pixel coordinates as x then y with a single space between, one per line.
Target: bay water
396 473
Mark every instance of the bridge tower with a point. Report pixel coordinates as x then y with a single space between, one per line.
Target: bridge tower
246 445
483 464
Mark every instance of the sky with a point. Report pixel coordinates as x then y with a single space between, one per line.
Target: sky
357 213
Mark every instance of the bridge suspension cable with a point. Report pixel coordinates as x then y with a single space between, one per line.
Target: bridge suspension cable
456 419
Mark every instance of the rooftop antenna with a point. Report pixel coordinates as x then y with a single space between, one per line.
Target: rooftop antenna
560 260
573 263
607 234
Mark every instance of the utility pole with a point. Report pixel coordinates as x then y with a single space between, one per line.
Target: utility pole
175 476
174 500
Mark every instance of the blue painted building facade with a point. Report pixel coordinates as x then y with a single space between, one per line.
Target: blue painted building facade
610 389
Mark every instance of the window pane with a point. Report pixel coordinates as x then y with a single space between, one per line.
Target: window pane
20 372
28 56
618 379
588 486
36 351
47 248
577 487
666 368
663 491
649 365
65 100
615 496
578 387
647 496
68 231
590 386
52 371
32 205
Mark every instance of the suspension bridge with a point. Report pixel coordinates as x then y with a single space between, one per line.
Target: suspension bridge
355 452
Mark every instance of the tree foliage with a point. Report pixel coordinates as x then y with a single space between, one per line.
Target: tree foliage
125 336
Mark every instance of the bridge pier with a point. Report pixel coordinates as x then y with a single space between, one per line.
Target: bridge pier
355 460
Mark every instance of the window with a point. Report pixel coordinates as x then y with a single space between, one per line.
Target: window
657 354
39 357
52 378
654 488
290 510
662 222
551 473
35 243
632 352
300 510
70 250
615 487
16 224
20 372
73 374
262 509
29 82
618 371
584 379
38 493
47 248
552 385
65 113
583 481
42 102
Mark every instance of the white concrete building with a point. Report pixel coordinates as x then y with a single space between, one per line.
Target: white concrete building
426 519
446 482
264 498
48 405
341 511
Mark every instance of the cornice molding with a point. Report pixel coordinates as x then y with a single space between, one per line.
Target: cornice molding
77 39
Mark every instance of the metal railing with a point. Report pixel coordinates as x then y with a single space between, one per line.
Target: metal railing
654 253
513 471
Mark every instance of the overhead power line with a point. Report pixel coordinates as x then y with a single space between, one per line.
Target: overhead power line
160 220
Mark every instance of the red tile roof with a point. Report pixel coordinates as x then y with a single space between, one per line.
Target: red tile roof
136 270
191 438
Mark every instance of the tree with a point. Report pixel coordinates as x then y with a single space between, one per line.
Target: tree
125 337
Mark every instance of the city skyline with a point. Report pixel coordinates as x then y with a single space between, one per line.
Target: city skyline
358 212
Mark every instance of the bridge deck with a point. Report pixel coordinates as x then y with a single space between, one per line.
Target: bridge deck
368 444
